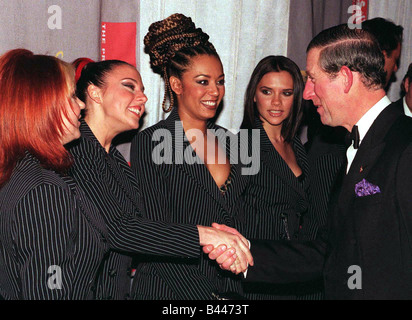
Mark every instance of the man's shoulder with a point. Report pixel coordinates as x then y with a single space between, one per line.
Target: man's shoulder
400 133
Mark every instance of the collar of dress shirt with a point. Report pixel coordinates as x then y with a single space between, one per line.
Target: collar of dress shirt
370 116
407 111
364 124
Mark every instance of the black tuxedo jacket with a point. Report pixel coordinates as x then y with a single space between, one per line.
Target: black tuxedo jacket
370 234
182 192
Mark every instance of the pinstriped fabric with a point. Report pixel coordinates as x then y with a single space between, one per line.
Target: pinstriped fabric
111 185
183 193
326 156
277 208
44 222
275 192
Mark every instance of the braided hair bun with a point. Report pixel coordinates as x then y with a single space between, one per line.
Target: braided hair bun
166 37
171 44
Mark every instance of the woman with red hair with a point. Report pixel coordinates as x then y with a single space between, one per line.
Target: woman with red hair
51 239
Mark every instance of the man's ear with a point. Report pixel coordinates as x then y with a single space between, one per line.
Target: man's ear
176 85
347 78
406 84
94 93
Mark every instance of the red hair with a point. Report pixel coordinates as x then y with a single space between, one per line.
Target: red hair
34 92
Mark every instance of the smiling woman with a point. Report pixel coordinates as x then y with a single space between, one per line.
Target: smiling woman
200 89
202 192
114 96
278 203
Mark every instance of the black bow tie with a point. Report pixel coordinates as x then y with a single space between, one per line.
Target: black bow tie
353 136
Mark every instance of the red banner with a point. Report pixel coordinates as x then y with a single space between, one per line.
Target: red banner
363 4
118 41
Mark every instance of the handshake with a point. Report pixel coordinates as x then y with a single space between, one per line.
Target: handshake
227 246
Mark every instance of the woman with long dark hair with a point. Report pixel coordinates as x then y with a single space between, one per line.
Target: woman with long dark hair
277 199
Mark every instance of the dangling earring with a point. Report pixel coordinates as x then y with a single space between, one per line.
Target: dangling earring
168 91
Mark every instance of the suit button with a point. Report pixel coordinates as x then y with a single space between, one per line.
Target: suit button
112 273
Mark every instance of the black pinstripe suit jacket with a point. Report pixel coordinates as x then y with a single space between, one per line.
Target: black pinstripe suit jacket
184 193
110 184
45 222
326 156
276 202
277 207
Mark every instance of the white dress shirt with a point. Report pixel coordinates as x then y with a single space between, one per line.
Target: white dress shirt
408 111
363 126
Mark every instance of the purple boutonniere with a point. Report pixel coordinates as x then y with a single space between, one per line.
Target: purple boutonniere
365 188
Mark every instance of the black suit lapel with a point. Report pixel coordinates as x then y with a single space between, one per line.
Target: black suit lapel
117 165
87 208
238 179
368 153
124 176
275 162
196 170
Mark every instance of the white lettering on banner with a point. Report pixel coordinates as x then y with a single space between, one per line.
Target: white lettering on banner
355 281
103 41
55 21
55 280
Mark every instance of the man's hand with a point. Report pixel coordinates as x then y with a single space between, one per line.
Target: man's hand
230 249
224 257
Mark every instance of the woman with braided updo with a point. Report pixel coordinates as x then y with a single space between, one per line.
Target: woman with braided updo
183 164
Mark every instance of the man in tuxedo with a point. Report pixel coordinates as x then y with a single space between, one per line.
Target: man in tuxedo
365 251
389 36
326 144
